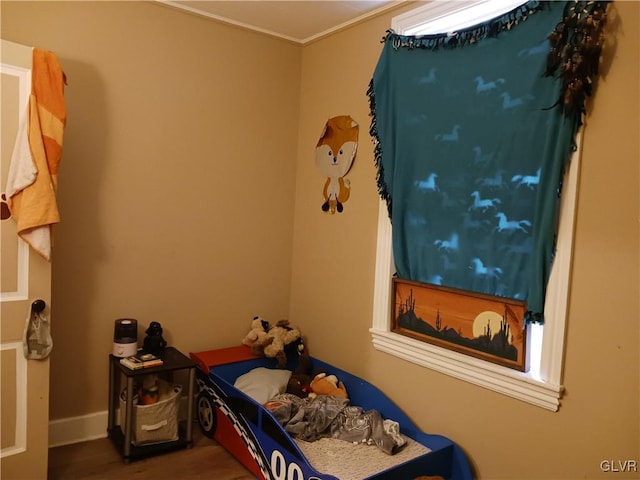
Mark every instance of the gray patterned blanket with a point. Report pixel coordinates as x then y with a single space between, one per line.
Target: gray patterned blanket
327 416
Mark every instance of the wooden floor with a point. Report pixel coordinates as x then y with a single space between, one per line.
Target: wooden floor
99 459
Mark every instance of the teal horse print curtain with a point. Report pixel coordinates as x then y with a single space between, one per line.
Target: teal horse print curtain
471 154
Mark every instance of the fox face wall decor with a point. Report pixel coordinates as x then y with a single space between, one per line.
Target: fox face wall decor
335 152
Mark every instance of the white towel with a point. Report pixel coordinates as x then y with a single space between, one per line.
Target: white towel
22 169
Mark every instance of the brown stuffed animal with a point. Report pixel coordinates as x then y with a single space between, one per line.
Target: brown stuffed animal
323 384
259 327
272 344
300 381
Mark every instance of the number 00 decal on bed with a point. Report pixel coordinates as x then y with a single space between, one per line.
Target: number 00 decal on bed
281 471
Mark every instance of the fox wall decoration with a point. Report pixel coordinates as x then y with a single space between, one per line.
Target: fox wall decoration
335 152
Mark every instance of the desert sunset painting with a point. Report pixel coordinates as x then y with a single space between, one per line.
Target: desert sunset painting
491 328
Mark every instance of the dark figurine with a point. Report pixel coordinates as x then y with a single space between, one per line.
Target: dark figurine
153 342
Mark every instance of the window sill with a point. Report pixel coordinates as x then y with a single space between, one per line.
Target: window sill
519 385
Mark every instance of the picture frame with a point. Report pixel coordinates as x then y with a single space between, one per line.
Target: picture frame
482 326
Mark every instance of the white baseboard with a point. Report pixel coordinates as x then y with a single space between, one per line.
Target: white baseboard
66 431
78 429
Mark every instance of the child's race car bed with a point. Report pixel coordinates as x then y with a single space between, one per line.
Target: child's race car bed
236 415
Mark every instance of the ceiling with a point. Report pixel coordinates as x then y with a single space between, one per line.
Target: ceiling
299 21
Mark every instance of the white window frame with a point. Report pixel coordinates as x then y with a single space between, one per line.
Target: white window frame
541 385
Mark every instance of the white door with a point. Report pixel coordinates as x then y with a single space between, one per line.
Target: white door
25 277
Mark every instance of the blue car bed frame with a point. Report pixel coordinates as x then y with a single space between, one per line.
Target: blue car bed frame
252 434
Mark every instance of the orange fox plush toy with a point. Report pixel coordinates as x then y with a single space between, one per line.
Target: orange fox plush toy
334 155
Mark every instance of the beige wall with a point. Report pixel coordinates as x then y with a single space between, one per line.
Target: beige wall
332 284
171 212
176 185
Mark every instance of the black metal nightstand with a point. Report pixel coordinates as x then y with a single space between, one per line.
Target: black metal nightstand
174 360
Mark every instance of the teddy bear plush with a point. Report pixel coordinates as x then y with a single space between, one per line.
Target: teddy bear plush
323 384
259 327
272 345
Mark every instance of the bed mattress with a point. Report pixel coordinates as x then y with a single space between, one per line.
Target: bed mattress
355 461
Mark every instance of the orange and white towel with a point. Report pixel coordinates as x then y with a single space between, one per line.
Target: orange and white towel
32 197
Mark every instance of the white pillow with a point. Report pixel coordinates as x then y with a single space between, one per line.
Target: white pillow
262 383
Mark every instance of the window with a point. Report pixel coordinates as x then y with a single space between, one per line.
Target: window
541 384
